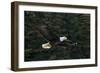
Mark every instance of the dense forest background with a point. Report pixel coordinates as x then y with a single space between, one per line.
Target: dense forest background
76 27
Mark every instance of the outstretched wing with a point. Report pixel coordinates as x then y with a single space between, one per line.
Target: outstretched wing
48 34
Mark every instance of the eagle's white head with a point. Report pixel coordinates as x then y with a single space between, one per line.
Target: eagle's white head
63 38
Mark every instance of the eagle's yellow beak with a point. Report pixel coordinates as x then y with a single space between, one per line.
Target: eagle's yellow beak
46 45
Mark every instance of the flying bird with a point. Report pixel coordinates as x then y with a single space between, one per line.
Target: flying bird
52 38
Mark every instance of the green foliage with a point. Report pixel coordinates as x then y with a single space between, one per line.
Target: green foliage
72 25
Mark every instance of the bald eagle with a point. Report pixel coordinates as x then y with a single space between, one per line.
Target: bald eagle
52 39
